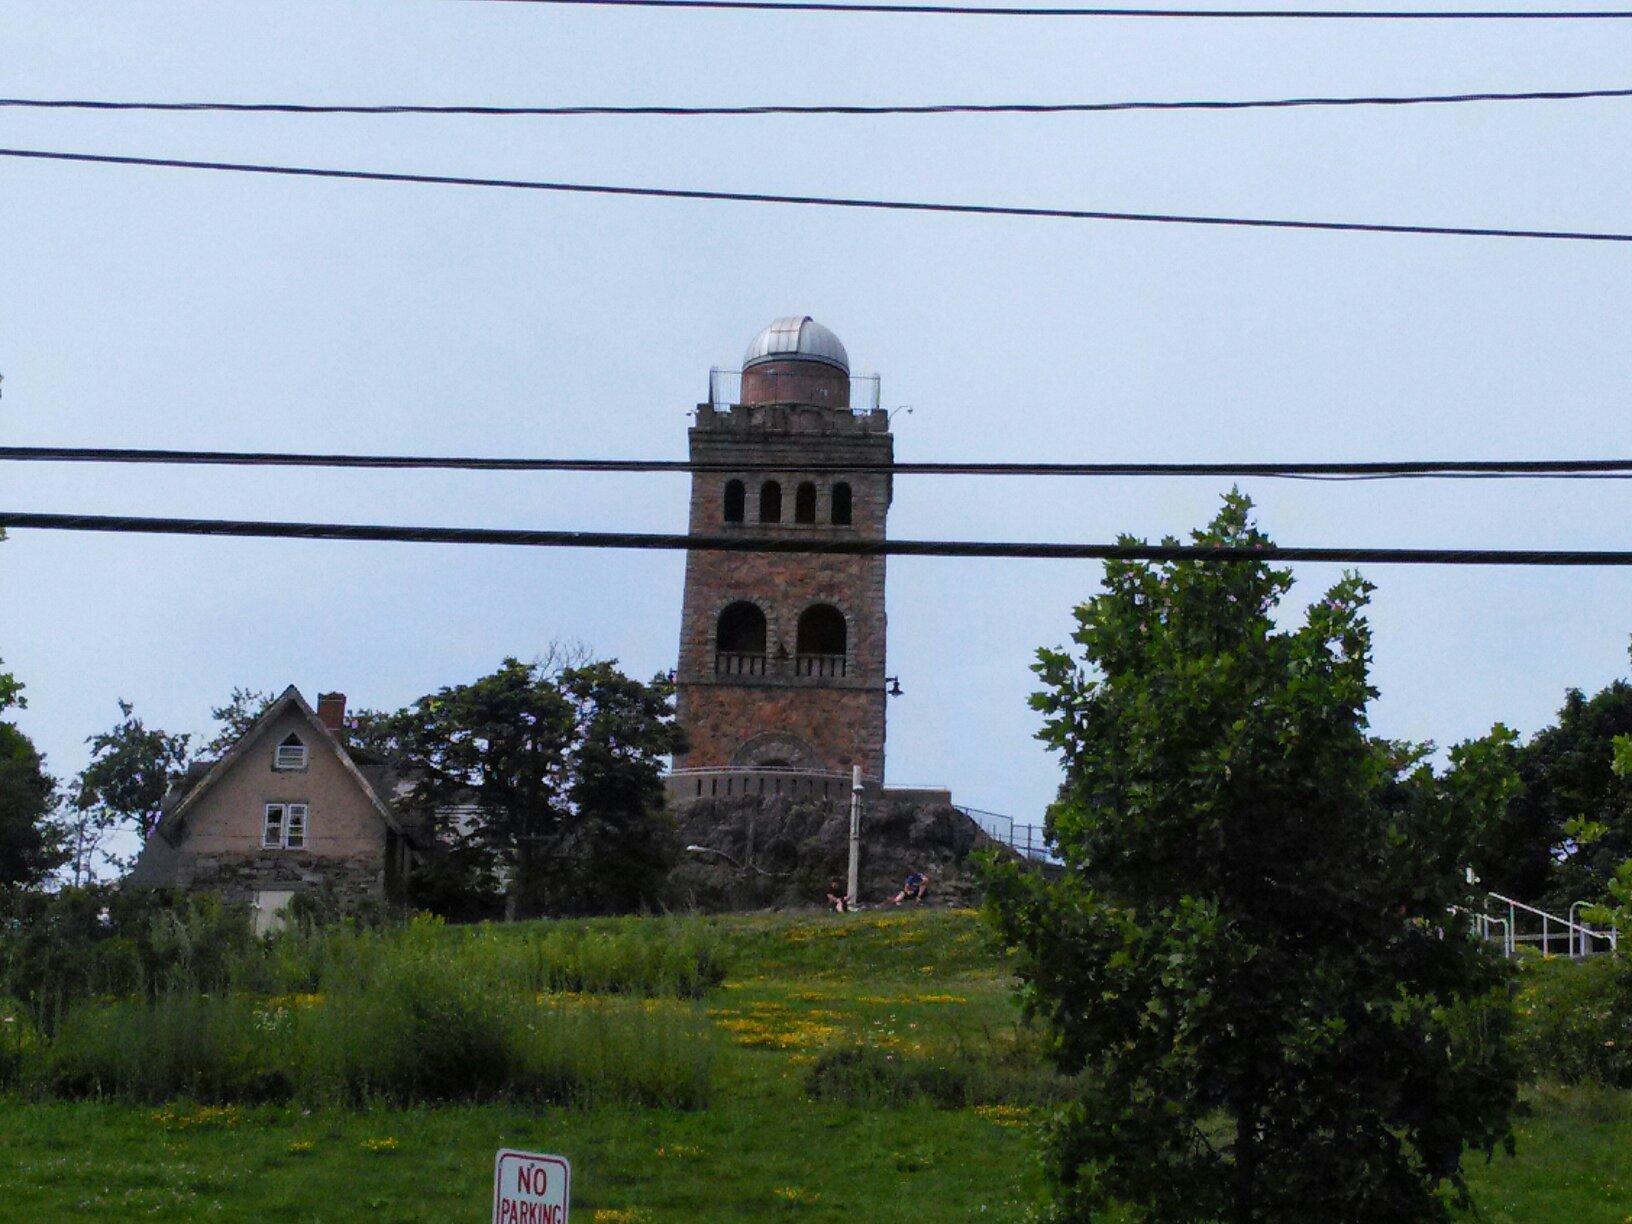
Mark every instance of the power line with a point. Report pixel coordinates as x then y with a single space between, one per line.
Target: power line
805 543
968 10
751 197
945 108
1598 469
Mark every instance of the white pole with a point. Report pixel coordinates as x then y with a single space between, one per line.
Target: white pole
853 884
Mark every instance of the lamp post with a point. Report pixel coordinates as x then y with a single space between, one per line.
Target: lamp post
742 867
853 883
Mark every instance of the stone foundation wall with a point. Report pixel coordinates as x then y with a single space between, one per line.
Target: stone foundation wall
238 877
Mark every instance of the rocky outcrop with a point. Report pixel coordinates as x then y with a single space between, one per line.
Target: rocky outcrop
785 852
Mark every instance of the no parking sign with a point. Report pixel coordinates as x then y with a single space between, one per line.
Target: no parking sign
530 1188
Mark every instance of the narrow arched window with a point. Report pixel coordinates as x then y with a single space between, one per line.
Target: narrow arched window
736 501
804 503
741 629
770 502
841 505
821 641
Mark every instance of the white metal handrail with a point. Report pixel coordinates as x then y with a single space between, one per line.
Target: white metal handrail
1578 938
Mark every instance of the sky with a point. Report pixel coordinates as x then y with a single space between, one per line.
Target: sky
168 308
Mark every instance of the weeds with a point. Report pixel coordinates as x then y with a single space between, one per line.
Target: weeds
867 1075
418 1014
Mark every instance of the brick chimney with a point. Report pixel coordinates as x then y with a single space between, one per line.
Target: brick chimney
331 712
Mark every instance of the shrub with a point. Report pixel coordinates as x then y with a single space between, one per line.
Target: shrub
80 943
19 1039
205 1048
410 1016
870 1076
1575 1020
424 1032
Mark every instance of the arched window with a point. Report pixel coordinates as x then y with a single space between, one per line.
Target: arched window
770 502
742 629
804 503
821 642
291 753
736 501
841 505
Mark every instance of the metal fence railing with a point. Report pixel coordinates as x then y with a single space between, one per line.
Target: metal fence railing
1515 925
1029 840
725 389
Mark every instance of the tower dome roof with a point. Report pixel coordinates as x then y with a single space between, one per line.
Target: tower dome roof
797 338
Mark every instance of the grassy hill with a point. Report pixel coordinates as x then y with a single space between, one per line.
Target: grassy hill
928 1115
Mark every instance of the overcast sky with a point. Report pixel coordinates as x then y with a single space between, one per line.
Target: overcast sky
174 308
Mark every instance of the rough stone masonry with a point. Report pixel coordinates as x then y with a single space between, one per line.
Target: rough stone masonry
782 656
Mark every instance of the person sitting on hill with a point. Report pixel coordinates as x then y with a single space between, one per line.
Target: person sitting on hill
916 889
837 897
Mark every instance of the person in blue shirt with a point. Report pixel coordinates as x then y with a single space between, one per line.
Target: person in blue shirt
916 889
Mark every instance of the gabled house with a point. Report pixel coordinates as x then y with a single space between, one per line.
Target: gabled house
288 807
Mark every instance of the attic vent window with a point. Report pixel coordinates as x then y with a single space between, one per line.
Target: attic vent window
291 754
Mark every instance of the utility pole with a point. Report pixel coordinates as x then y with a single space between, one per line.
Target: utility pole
854 883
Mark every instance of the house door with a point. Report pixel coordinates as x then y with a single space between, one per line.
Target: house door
269 905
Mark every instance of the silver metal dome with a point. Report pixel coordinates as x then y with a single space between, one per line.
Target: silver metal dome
797 337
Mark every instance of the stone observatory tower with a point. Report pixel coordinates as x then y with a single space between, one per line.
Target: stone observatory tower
781 675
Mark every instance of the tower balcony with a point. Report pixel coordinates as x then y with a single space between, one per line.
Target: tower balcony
812 666
818 665
735 663
790 383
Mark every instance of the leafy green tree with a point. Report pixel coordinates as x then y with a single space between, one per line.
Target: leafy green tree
623 843
552 775
1568 775
30 842
235 718
30 845
1259 955
122 789
1615 907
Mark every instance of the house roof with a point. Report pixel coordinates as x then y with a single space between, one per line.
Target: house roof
201 778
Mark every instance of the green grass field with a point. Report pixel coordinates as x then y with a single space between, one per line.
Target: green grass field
918 986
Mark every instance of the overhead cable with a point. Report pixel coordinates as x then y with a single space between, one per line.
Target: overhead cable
939 108
972 10
1380 469
806 543
748 197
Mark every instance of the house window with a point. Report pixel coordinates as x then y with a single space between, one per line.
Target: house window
284 827
291 754
804 503
736 501
294 827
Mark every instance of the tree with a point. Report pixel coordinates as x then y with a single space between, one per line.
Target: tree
623 843
123 788
552 774
1259 955
1615 908
30 843
234 719
1568 776
11 691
